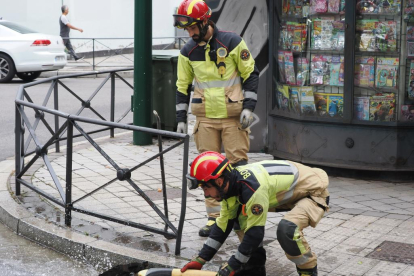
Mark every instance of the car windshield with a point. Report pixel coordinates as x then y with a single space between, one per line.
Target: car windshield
16 27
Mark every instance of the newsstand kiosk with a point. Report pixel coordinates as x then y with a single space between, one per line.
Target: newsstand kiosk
342 83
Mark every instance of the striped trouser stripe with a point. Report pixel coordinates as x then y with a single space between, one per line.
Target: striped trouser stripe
213 244
302 259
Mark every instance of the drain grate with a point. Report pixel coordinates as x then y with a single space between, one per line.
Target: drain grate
394 252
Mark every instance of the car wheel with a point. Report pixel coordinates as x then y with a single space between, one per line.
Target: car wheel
7 70
28 76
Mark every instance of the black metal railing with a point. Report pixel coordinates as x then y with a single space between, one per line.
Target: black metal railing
109 52
71 121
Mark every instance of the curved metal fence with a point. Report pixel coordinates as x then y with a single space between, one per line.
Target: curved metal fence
63 130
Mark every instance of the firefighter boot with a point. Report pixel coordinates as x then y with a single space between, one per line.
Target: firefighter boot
308 272
206 229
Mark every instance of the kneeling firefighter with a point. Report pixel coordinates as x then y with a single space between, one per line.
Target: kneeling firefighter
247 193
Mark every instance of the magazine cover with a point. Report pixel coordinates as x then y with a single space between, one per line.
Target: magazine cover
307 101
361 108
338 35
407 113
335 105
282 96
386 36
326 34
321 104
364 71
302 77
294 100
289 68
410 49
316 39
299 37
411 82
410 33
381 108
281 62
337 71
387 72
342 7
318 6
334 5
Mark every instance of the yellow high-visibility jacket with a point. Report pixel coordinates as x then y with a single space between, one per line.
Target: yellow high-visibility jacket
216 95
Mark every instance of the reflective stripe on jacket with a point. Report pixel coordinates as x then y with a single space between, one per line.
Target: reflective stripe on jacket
215 95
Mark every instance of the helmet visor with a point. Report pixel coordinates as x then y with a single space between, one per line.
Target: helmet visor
182 21
192 182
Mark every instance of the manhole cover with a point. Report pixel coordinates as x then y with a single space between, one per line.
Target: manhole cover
171 194
394 252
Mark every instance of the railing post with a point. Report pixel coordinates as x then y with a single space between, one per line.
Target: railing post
112 131
56 107
183 196
18 147
68 198
93 54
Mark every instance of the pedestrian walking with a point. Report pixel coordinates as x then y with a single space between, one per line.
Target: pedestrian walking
247 193
65 27
225 89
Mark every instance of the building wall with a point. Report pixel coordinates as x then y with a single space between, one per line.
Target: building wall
98 19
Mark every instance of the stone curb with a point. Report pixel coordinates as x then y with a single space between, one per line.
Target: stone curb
100 254
48 74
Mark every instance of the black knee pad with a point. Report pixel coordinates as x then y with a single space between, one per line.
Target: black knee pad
285 233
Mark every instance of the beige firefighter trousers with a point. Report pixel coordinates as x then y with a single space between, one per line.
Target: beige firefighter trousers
308 211
210 135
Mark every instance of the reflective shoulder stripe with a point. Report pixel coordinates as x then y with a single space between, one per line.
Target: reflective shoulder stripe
181 106
241 257
281 169
213 244
250 95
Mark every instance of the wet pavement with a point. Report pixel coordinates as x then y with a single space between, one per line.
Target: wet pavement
364 214
21 257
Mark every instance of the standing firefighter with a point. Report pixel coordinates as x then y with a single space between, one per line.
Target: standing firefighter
225 89
247 193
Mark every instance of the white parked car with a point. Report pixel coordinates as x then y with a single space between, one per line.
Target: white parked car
27 53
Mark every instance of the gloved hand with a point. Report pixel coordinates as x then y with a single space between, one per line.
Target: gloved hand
246 118
182 127
196 263
225 270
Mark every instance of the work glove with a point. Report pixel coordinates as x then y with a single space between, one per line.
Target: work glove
182 127
225 270
246 118
196 263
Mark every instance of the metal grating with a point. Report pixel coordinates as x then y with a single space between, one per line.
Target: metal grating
394 252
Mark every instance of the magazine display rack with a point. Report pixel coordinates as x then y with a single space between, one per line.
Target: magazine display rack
342 85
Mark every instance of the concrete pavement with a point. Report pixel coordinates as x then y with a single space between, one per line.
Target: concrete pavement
369 230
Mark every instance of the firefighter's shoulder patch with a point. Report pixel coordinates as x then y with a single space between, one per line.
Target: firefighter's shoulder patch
245 55
257 209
